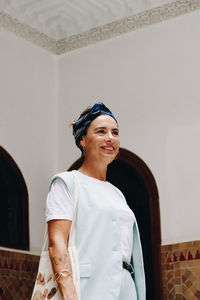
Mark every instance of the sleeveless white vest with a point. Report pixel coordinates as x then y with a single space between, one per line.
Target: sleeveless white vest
98 245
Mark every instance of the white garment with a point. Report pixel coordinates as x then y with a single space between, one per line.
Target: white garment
60 204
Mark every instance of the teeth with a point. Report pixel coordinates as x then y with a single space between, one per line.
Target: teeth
109 148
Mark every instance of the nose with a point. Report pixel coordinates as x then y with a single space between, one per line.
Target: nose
109 137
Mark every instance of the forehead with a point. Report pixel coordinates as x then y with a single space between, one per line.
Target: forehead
104 121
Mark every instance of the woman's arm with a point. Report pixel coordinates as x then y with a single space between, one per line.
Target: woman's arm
58 242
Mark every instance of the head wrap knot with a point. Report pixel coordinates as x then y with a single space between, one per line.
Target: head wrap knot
81 125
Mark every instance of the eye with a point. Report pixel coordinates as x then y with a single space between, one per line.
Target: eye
101 131
115 132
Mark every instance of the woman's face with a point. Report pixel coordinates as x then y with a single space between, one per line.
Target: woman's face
102 139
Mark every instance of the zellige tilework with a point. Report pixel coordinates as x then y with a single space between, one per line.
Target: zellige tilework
181 271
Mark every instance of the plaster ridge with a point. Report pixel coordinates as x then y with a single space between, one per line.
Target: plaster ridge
104 32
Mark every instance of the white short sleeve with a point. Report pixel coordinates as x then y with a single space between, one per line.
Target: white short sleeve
59 204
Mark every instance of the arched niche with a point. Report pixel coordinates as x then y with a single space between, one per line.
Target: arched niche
14 221
133 177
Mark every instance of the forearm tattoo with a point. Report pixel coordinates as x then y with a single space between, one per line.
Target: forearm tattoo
60 260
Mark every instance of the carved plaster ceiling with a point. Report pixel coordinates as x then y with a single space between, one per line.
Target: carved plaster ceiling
63 25
59 19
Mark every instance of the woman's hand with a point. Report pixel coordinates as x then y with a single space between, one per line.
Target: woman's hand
58 243
69 292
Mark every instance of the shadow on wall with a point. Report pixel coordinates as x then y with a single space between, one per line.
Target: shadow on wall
17 270
14 224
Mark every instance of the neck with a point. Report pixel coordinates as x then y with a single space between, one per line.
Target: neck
94 169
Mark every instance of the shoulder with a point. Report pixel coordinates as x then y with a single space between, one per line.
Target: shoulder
66 177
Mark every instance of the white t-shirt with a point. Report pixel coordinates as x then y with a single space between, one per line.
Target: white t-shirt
60 205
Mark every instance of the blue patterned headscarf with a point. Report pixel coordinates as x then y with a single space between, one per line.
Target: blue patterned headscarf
85 119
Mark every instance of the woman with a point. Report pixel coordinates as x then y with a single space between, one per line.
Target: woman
107 238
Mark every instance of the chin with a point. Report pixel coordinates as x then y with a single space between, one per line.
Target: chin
109 158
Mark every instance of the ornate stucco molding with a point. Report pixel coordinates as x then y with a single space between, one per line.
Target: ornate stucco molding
28 33
100 33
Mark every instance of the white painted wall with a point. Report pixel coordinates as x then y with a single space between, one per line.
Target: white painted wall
28 120
150 79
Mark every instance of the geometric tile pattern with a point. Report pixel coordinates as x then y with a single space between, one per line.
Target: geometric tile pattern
181 271
17 275
100 33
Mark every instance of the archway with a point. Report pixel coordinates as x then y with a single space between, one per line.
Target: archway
133 177
14 224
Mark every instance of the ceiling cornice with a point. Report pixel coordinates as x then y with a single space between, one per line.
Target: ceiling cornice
94 35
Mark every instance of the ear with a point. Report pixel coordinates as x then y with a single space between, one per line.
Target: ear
82 141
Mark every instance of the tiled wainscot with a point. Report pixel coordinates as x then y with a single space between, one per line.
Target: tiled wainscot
180 273
17 275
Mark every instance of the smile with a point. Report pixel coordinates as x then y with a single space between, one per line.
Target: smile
108 148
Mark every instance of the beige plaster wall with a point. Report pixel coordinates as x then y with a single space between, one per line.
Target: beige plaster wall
28 120
150 79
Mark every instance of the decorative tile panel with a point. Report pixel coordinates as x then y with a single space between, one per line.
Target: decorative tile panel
181 271
17 275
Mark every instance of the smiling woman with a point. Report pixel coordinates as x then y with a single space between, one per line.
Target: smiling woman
107 241
101 143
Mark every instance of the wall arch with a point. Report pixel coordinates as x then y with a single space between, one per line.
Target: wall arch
14 220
